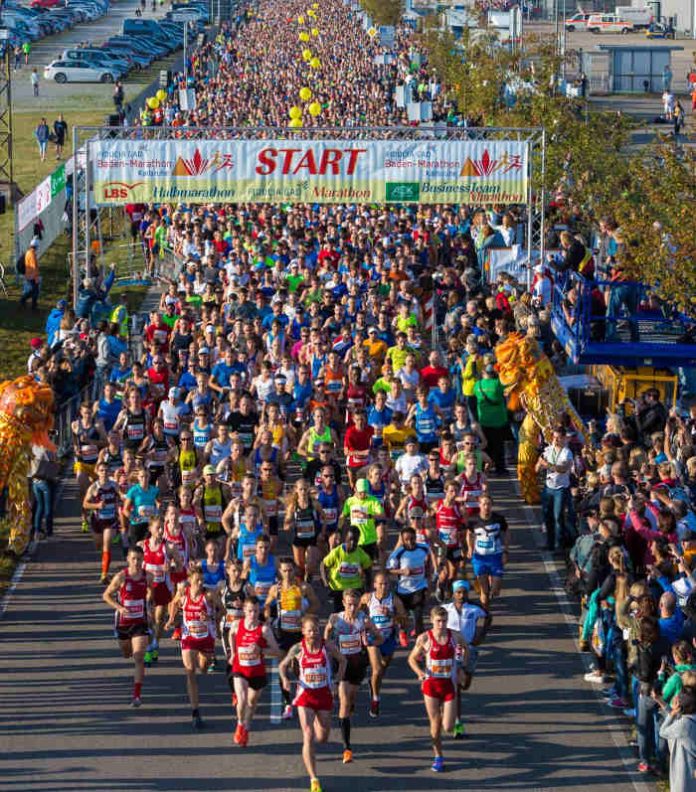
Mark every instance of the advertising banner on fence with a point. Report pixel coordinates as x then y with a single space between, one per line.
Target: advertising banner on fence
311 171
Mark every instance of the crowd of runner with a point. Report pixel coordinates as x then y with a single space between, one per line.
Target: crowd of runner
295 440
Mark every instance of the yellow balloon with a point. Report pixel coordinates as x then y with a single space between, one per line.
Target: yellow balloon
304 36
315 109
315 32
300 19
161 95
307 54
315 63
153 103
305 94
311 13
295 123
315 5
295 112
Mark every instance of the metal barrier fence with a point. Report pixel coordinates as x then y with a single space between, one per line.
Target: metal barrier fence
66 413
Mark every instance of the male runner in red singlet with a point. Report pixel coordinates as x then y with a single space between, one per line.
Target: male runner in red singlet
198 633
249 641
439 648
312 659
127 594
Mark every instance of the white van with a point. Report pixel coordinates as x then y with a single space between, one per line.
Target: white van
608 23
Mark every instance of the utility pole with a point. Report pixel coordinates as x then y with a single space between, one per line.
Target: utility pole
6 154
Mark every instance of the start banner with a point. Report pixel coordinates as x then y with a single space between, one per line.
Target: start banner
309 171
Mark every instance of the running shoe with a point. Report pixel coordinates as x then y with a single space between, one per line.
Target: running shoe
237 734
287 712
148 659
104 579
458 731
403 638
347 757
374 709
176 635
630 713
196 721
585 646
212 667
85 526
596 677
438 765
136 702
644 767
243 736
155 655
617 703
610 693
314 785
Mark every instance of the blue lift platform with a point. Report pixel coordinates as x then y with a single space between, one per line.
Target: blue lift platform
633 330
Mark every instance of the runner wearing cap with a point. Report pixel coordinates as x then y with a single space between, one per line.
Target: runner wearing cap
210 501
472 622
365 512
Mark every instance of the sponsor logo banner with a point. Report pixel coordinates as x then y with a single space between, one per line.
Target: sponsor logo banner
309 171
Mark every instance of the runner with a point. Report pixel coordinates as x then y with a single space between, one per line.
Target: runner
366 513
330 499
488 539
305 519
450 527
312 657
270 489
347 566
289 601
384 611
88 437
249 641
158 563
260 571
411 564
351 629
140 504
127 595
198 633
472 623
439 648
102 500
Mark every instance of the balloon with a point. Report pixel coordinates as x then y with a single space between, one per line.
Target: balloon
296 123
315 109
312 14
161 95
300 19
315 6
295 112
304 36
305 94
307 54
315 32
315 63
153 103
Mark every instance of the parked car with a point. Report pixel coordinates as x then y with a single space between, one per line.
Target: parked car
77 71
577 22
97 55
608 23
47 3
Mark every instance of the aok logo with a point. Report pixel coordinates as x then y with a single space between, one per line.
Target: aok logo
403 191
114 191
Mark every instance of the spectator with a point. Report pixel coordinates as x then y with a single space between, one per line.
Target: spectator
32 279
491 408
60 131
557 461
679 729
26 49
35 81
41 133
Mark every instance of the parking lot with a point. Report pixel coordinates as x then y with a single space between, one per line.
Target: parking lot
81 96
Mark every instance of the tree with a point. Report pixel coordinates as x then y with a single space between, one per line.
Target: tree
384 12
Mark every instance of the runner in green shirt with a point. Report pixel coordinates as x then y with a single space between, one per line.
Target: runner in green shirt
365 512
347 566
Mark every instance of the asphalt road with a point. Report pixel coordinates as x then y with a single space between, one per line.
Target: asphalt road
65 721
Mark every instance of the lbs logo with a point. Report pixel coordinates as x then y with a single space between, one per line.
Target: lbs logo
118 191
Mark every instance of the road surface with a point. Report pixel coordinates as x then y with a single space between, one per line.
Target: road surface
66 724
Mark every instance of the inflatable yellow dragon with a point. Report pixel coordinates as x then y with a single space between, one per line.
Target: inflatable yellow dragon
26 416
531 385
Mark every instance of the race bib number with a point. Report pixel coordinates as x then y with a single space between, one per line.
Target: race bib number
290 621
157 571
135 608
331 515
198 628
146 511
350 643
248 656
348 570
441 668
315 678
